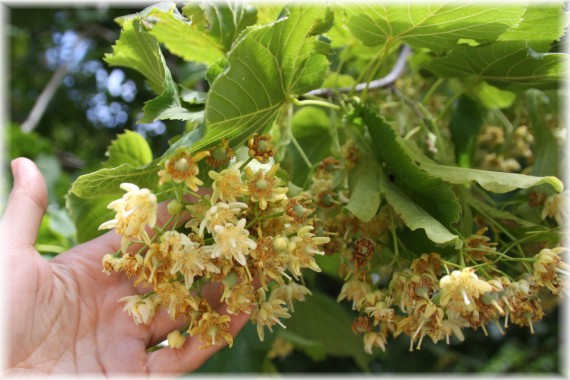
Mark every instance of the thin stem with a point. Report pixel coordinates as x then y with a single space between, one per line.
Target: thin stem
310 102
245 163
301 151
383 82
432 89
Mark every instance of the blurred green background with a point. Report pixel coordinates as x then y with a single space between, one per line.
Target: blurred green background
66 105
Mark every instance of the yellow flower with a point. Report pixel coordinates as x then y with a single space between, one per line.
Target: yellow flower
291 292
261 186
175 339
547 267
303 247
240 298
555 207
462 287
373 339
190 260
268 312
175 298
134 211
220 214
227 184
141 308
183 167
231 241
213 329
269 261
280 348
354 290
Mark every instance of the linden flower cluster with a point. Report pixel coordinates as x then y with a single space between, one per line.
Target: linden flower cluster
246 229
424 298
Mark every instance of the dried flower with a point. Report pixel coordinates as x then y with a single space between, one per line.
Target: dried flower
213 329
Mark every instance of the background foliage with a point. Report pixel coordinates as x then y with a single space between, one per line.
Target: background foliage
95 99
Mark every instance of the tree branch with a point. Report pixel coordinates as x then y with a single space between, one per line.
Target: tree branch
48 92
383 82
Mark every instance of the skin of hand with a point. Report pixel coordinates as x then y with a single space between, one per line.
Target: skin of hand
63 315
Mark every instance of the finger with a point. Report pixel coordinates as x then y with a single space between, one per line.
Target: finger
190 356
26 205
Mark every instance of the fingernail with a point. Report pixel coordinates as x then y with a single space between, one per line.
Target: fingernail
19 165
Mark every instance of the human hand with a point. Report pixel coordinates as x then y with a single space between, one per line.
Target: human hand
63 316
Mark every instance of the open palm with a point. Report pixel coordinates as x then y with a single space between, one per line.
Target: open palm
63 314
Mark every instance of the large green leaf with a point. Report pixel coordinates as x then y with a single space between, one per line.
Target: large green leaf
365 193
320 319
542 24
546 148
433 25
431 194
227 21
247 96
504 64
107 181
465 124
413 215
129 148
497 182
181 37
138 50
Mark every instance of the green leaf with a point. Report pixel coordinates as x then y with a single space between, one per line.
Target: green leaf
497 182
465 124
431 194
107 181
546 148
319 318
313 349
413 215
433 25
492 97
129 148
365 193
503 64
181 37
88 214
247 96
542 24
228 21
140 51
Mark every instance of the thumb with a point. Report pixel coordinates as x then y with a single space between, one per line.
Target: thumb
26 205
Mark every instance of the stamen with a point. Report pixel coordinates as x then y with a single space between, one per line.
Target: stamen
279 322
530 325
498 307
465 298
